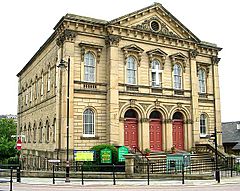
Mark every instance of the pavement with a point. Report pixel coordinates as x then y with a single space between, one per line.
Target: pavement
46 184
74 181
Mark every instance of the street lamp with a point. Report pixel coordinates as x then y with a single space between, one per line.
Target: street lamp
216 155
63 66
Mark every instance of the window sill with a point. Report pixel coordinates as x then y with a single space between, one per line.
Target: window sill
203 95
203 136
89 138
179 92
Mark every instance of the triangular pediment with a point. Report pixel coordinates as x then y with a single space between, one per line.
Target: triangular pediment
178 56
155 19
157 52
132 48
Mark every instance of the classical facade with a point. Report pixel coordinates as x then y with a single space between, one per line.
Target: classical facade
142 80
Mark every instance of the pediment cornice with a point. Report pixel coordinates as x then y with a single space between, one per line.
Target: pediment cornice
179 58
156 53
134 50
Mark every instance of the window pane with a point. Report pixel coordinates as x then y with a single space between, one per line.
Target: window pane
202 124
88 122
89 67
131 70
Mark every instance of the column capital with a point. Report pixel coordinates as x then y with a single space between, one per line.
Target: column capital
112 40
193 53
67 35
215 60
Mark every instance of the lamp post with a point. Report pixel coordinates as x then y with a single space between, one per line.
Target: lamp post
63 66
217 173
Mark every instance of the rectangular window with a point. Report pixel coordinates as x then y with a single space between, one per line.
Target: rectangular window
202 126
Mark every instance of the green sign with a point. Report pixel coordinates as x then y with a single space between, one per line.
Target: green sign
84 155
106 155
122 151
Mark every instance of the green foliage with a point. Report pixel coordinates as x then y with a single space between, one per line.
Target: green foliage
7 143
237 167
98 148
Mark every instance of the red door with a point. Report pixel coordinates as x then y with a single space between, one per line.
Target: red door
177 134
155 135
131 133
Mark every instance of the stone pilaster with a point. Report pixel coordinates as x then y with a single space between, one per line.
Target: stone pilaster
168 135
215 61
194 94
112 42
145 138
66 43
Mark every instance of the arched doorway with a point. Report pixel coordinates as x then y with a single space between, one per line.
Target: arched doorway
131 128
155 131
177 131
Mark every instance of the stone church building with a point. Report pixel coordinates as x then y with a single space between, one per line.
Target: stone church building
142 79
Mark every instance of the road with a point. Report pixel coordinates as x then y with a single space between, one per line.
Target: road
30 187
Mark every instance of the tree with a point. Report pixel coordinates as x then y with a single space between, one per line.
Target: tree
7 143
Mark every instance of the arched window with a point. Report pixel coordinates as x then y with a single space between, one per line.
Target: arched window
47 131
26 98
30 92
34 133
88 123
29 133
36 87
131 114
177 73
25 134
89 67
54 130
202 81
49 79
203 125
131 70
40 132
42 84
156 73
155 115
178 116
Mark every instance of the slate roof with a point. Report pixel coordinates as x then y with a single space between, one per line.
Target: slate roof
230 133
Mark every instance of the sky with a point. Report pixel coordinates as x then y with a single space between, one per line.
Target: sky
26 25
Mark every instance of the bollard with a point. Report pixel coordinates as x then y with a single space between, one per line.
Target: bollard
114 179
82 174
182 172
18 174
11 179
53 175
148 182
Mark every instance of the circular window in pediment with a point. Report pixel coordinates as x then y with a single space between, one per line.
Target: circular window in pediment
155 26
